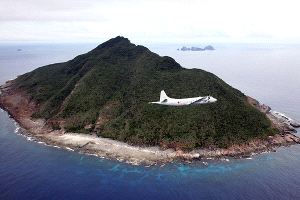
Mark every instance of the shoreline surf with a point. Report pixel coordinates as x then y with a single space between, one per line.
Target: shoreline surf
136 155
20 109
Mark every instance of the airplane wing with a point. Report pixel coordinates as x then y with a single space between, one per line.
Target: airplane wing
197 101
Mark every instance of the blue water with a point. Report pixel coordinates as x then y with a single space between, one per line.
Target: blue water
33 170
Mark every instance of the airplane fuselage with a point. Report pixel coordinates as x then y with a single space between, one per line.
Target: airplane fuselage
165 100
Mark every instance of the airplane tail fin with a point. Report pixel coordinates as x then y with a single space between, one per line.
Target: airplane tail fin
163 96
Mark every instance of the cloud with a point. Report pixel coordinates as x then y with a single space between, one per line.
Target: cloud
53 10
155 20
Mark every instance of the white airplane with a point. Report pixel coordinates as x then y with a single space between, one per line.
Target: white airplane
165 100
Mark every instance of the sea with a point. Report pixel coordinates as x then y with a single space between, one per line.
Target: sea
269 73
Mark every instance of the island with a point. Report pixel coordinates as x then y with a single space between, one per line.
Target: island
97 103
196 48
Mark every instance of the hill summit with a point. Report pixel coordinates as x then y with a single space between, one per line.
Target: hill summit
106 91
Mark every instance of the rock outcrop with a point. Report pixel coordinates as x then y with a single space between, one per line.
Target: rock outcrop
263 108
295 125
210 48
16 104
276 122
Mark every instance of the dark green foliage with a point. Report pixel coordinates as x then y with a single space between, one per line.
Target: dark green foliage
105 135
72 128
114 83
55 127
273 131
190 148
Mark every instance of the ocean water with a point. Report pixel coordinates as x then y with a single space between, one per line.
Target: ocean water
269 73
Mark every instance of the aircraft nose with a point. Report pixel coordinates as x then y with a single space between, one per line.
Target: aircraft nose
212 100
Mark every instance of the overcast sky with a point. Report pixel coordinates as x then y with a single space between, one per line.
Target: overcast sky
177 21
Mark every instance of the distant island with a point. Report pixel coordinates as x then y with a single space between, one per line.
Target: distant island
97 103
196 48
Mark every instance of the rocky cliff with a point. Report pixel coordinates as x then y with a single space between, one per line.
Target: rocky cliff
197 48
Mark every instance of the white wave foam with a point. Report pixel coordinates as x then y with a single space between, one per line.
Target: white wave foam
17 130
69 149
224 159
91 154
39 142
18 127
280 115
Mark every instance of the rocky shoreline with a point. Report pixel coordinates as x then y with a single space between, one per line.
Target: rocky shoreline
21 108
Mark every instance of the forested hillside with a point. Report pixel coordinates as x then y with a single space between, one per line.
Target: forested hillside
107 90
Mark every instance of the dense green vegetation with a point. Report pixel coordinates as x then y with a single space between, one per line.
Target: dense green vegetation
109 89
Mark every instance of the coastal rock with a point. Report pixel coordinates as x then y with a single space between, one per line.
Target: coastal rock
263 108
18 106
295 125
209 48
197 48
6 88
185 49
89 126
